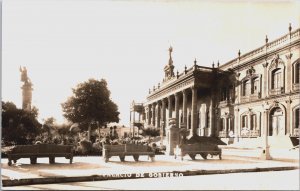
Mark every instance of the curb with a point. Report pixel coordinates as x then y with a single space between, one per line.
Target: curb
257 158
53 180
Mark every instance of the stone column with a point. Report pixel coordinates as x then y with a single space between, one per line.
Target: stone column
170 107
265 92
236 124
133 122
265 152
225 125
177 109
184 107
289 69
210 120
289 126
148 115
194 111
153 115
230 123
144 115
157 124
164 117
212 117
249 120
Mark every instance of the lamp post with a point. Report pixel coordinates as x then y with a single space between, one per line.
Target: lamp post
265 155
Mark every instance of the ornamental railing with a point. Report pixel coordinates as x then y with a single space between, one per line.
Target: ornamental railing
296 87
223 134
296 132
277 91
250 133
225 103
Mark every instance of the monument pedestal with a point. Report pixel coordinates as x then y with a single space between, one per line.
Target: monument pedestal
172 137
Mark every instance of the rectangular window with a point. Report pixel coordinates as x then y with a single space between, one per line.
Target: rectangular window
222 124
253 122
276 79
297 72
255 86
245 121
246 88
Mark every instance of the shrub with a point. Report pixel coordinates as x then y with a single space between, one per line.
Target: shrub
86 147
97 147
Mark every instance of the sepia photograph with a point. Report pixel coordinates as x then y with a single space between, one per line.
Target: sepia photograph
150 94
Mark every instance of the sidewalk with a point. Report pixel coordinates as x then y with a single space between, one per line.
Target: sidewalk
94 168
277 154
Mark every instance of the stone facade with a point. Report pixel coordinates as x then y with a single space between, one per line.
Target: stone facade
255 93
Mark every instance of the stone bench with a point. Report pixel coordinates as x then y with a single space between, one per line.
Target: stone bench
39 151
127 150
198 148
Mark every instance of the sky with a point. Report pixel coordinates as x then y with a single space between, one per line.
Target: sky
65 42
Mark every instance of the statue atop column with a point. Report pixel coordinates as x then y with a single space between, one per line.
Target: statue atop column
26 89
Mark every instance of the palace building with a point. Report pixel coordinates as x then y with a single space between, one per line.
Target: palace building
255 94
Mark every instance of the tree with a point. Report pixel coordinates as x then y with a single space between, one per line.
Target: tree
48 127
19 126
91 106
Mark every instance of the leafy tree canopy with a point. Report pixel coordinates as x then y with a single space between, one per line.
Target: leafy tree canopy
91 103
19 126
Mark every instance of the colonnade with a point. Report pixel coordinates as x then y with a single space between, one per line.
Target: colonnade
156 112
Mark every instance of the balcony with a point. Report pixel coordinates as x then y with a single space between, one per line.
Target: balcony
296 132
223 134
296 87
276 91
225 103
251 97
250 133
245 98
255 96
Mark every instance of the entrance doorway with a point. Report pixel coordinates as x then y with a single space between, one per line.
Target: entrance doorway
277 122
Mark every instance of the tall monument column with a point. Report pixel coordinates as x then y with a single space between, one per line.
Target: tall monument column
26 90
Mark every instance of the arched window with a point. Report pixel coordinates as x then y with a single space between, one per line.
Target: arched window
276 78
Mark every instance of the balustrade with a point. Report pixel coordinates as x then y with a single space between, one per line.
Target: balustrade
296 132
223 134
250 133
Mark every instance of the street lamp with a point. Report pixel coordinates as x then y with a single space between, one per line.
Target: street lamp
265 155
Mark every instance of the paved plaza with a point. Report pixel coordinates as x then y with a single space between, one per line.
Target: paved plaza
94 168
